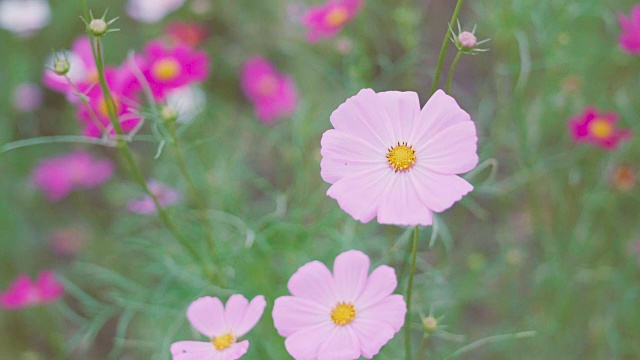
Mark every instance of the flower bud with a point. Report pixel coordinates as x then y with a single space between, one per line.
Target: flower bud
98 27
430 324
467 40
61 66
169 114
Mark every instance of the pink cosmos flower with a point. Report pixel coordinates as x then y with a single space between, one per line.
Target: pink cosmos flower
630 37
68 242
339 316
82 69
166 197
598 129
325 21
272 94
59 175
387 158
223 325
166 68
23 293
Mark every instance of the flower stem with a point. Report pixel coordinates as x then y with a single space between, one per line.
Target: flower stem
452 70
412 272
192 189
443 48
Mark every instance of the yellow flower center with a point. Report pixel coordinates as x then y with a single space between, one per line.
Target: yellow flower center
337 17
343 314
600 128
103 109
223 341
401 157
267 85
166 69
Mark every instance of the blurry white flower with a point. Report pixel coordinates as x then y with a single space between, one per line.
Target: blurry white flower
151 11
27 97
188 101
24 17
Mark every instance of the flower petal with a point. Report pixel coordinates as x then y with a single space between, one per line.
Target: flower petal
403 108
193 350
313 281
206 314
400 204
234 311
380 284
438 191
363 116
304 344
252 315
440 112
291 314
342 344
235 351
373 335
359 194
452 150
350 272
344 154
390 310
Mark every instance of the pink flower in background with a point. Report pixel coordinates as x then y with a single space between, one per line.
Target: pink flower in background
23 293
166 197
325 21
272 94
630 37
191 34
27 97
152 11
82 69
24 17
222 325
597 128
59 175
166 68
339 316
388 159
67 242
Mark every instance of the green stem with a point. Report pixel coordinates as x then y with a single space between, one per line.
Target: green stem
443 48
192 188
453 70
412 272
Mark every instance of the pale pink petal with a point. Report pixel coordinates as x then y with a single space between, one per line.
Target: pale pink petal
350 271
403 108
359 194
391 310
313 281
440 112
251 316
364 116
207 315
304 344
373 335
193 350
438 191
344 154
234 312
234 351
399 204
291 314
450 151
380 284
342 344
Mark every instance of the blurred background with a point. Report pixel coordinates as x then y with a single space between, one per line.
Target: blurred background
549 240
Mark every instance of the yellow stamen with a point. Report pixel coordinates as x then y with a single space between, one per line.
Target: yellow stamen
223 341
267 85
401 157
600 128
166 69
337 17
343 314
103 109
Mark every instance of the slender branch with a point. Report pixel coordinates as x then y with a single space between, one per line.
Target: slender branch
453 70
443 48
412 272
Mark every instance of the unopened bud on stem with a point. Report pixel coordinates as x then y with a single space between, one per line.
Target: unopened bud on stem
98 27
467 40
61 66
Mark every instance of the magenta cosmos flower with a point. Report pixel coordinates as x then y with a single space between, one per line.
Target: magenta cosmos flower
165 195
24 293
325 21
339 316
597 128
170 67
387 158
272 94
60 175
630 37
223 325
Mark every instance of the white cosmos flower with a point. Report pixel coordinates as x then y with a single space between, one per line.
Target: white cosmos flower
151 11
188 101
24 17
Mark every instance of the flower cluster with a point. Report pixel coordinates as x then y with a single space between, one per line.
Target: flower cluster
25 293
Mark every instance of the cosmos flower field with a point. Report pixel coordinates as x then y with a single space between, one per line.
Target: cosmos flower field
319 179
